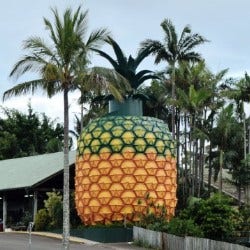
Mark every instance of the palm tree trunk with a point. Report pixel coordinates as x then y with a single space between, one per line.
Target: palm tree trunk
239 195
247 187
173 95
201 167
196 152
81 121
191 162
221 167
66 220
178 144
210 162
185 151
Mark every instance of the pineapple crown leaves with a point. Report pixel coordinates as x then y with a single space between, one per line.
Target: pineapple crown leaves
127 66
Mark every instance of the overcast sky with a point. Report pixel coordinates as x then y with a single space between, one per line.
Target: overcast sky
225 23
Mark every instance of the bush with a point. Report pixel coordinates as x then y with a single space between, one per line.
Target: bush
153 217
55 209
216 217
184 227
245 213
42 220
54 212
26 218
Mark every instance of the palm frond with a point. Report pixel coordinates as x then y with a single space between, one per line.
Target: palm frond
142 73
192 41
23 88
163 55
31 63
80 21
171 35
96 38
190 57
152 45
38 46
108 80
109 58
121 58
49 26
142 54
185 31
145 78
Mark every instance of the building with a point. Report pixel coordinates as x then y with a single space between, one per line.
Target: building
25 181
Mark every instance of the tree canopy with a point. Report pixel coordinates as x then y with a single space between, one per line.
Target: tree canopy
31 133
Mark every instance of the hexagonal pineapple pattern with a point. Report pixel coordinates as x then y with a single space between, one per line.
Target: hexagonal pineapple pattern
123 160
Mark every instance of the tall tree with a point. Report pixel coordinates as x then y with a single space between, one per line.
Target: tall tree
222 135
55 63
195 104
28 134
156 105
239 92
174 50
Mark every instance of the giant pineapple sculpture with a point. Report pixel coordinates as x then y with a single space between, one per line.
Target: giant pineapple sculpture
125 161
122 162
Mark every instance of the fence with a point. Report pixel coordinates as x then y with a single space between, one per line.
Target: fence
166 241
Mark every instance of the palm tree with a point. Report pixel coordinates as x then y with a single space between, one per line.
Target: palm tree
240 93
174 50
194 102
55 63
221 136
155 106
195 105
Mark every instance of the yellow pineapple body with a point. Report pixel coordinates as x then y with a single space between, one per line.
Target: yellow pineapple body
123 160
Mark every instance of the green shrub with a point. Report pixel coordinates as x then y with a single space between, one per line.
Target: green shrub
26 218
150 220
42 220
184 227
245 214
55 209
54 212
216 217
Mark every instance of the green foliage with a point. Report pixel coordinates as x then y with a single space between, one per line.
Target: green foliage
55 210
158 222
245 223
212 218
241 173
156 103
153 217
51 216
28 134
217 218
184 227
227 139
42 220
26 218
54 145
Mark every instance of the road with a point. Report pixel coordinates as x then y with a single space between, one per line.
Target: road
20 241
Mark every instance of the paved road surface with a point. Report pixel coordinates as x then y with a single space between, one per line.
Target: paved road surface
16 241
